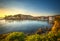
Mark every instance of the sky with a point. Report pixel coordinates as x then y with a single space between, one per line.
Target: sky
30 7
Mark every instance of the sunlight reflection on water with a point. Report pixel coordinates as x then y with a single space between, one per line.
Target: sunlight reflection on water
22 25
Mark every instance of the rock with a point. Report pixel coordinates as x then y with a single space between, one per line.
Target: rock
56 26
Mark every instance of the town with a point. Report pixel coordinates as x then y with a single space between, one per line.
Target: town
28 17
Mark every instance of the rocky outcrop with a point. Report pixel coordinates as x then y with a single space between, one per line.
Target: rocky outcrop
56 26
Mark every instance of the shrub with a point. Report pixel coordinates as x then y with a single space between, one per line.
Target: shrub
35 37
15 36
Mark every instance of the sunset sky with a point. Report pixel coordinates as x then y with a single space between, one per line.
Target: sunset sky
30 7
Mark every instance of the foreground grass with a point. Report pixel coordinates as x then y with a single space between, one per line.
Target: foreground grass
20 36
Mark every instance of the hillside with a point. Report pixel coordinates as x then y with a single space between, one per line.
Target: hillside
56 26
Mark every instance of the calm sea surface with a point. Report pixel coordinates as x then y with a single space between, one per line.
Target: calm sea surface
27 26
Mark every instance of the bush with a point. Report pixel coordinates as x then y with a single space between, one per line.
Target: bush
15 36
19 36
33 38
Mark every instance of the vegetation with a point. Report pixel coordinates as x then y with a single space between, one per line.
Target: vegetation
15 36
19 36
53 35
